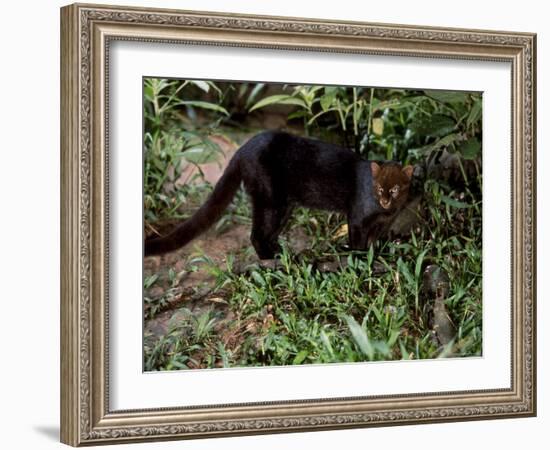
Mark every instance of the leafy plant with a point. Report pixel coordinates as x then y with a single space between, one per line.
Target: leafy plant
389 123
172 142
368 305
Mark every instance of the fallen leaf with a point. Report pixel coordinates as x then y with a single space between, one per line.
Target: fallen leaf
340 232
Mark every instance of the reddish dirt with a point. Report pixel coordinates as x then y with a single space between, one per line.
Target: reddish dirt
192 289
211 171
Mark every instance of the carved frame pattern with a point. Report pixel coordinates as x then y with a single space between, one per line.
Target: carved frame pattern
86 33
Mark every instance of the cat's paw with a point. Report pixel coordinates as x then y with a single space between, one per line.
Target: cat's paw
272 264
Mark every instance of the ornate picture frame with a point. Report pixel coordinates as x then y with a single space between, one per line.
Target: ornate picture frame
87 32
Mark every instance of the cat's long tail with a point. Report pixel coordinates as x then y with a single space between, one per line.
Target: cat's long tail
205 217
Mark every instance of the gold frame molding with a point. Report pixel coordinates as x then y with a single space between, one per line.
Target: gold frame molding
86 31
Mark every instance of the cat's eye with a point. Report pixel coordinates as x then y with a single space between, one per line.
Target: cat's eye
394 190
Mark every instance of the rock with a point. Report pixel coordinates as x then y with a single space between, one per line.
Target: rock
378 268
442 324
436 289
332 265
435 281
155 292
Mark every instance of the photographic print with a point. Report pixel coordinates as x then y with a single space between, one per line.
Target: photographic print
291 224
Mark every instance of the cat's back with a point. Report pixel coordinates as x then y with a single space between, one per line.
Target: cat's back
275 147
281 155
292 169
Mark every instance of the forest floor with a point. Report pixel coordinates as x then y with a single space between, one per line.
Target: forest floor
213 304
185 286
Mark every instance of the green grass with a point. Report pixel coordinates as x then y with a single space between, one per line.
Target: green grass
373 307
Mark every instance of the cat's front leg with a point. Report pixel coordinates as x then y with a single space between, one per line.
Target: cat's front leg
373 233
357 235
379 227
361 220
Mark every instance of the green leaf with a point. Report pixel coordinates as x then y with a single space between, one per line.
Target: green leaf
437 125
149 281
381 347
254 93
315 117
404 353
297 114
454 203
201 85
418 265
178 364
378 314
203 105
443 142
470 149
200 155
475 113
326 342
446 141
300 357
394 334
328 99
149 92
258 278
378 105
404 269
278 100
447 96
360 337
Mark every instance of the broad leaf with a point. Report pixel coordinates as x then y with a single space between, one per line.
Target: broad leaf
378 105
300 357
278 100
447 96
454 203
203 105
404 269
149 92
470 149
254 93
437 125
258 278
149 281
443 142
200 155
475 113
203 85
328 99
360 337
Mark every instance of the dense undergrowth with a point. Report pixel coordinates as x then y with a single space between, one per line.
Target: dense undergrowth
320 303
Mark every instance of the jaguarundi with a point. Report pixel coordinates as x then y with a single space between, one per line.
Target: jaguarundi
280 171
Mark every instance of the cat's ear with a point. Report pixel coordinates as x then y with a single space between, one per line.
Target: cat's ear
408 170
375 169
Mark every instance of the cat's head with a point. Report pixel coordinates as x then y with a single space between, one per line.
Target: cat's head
391 183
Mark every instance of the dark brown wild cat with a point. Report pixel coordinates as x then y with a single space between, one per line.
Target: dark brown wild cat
280 171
